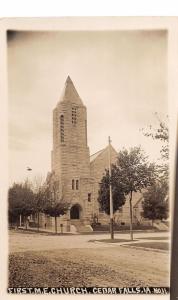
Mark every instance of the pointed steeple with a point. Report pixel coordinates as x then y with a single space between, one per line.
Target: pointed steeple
68 80
70 93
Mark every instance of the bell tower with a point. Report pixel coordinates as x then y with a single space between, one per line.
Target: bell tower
70 154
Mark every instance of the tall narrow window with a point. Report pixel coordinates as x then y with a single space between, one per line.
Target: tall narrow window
74 115
73 184
89 197
77 184
62 128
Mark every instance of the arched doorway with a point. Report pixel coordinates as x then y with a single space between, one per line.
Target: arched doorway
75 212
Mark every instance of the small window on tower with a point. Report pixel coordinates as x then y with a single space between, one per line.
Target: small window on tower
77 184
89 197
62 128
74 115
73 184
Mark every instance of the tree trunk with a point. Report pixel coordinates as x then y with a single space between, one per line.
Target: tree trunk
152 223
16 223
20 221
131 230
38 216
55 224
112 228
10 222
26 222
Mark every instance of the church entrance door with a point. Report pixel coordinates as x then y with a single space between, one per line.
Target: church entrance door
75 212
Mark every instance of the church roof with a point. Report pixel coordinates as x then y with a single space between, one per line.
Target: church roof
137 198
70 94
95 155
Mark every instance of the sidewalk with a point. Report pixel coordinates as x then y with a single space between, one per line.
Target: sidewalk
133 244
44 230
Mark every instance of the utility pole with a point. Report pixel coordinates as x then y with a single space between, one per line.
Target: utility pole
110 191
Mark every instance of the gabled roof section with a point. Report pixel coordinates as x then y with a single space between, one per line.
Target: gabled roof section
70 94
136 201
95 155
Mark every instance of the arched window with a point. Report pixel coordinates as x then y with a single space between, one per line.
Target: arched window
62 128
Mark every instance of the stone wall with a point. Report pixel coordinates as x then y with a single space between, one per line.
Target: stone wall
70 156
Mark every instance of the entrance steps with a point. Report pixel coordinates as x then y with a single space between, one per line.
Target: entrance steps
160 225
79 227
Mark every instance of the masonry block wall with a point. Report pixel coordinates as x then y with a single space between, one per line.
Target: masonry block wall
70 154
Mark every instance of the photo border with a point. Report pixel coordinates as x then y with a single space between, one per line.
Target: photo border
83 24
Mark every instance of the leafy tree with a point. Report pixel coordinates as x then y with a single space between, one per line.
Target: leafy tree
117 191
27 198
41 196
161 133
155 204
54 206
20 200
131 173
56 210
135 174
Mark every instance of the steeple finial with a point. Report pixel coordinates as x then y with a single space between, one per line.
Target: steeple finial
70 93
68 80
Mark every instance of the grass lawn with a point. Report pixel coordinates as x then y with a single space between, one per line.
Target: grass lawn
153 245
111 240
74 267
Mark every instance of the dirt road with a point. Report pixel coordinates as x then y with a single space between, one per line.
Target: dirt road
92 265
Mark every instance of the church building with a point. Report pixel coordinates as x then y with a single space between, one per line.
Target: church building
75 175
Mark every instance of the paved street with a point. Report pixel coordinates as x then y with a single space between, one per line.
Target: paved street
75 261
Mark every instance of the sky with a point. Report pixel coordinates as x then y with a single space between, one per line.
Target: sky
121 77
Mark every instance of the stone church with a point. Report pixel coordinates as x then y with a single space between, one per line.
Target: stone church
75 175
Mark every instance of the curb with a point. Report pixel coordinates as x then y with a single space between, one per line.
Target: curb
43 232
131 245
145 249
